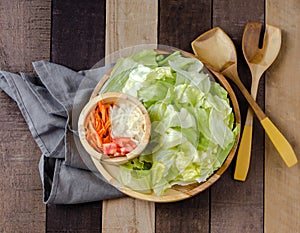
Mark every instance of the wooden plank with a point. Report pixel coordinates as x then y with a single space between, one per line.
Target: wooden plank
180 22
25 33
78 33
78 30
129 23
25 37
191 215
74 218
282 192
238 206
128 215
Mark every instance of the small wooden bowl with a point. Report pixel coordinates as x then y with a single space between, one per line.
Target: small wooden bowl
114 98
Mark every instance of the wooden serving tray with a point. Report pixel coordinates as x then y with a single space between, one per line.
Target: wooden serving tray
176 193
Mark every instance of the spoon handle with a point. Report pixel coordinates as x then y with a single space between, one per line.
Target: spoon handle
281 144
279 141
244 152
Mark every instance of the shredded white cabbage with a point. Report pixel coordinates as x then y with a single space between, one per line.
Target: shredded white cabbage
127 121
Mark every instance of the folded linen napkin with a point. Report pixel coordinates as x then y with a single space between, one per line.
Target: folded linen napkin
49 104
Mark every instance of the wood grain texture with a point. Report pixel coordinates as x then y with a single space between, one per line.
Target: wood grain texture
25 33
78 33
78 29
74 218
25 37
128 215
191 215
180 22
282 192
129 23
238 206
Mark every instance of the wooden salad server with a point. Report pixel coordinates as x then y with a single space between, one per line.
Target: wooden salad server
215 49
259 58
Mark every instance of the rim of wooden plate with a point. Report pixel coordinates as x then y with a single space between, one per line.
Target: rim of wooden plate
176 192
114 98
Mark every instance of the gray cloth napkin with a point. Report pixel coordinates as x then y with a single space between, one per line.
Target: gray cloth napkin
51 104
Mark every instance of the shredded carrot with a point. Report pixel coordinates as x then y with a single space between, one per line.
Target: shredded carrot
98 126
99 104
103 114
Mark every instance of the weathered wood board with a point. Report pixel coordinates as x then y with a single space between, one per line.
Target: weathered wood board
282 184
25 37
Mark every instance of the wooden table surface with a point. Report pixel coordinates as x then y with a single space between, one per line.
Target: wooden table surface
78 34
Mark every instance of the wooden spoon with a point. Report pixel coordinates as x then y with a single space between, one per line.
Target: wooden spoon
216 50
259 60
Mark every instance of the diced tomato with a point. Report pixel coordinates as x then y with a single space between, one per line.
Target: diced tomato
127 148
118 154
125 142
119 147
121 141
123 151
110 148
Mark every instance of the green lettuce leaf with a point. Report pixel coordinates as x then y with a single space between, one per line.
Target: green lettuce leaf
191 120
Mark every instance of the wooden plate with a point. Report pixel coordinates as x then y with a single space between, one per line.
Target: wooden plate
177 192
